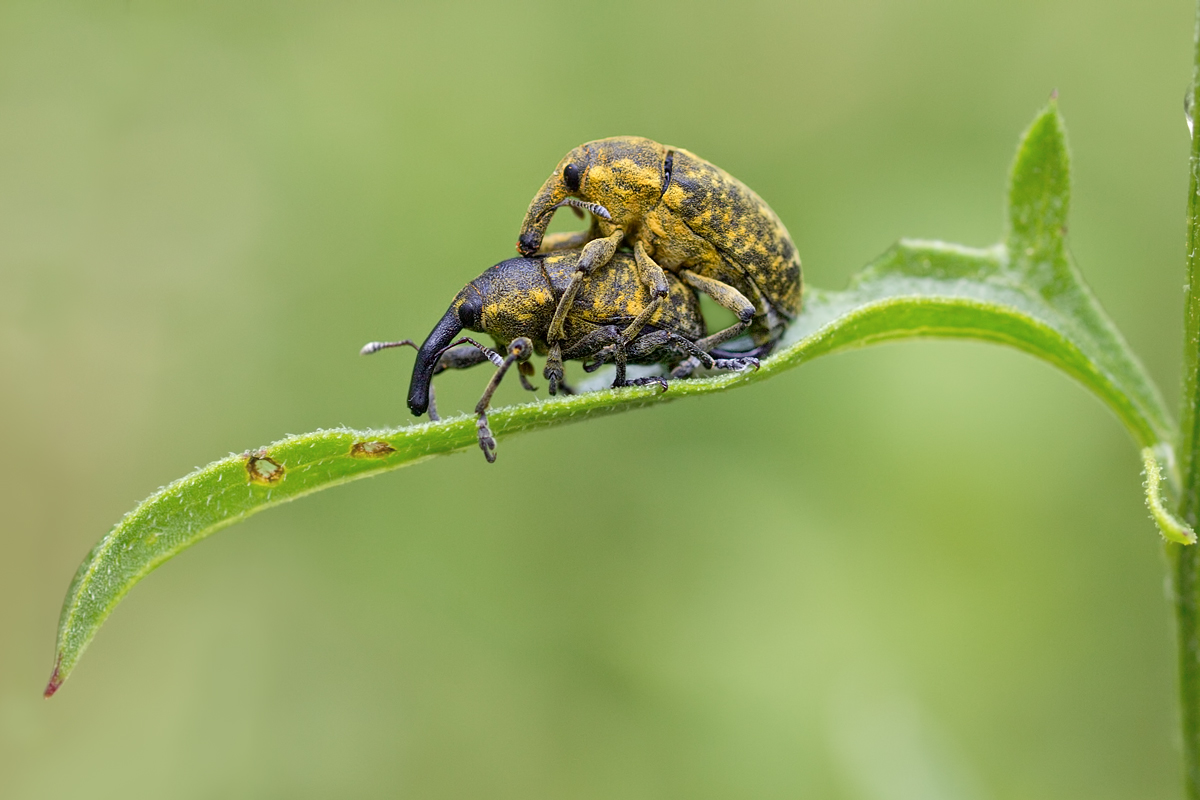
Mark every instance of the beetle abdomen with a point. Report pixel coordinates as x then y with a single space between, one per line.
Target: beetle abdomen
739 224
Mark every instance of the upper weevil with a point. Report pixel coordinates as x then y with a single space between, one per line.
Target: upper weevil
679 212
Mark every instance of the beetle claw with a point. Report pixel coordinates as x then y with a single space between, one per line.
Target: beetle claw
487 442
737 363
554 369
658 379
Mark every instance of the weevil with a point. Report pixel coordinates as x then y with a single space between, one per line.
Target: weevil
676 212
515 301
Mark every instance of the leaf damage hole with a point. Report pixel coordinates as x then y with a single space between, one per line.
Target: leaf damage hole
374 449
263 469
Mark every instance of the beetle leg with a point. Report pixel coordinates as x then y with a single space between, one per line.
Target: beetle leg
599 252
459 356
554 367
660 380
431 409
464 353
604 344
736 363
646 345
462 356
652 276
685 368
518 351
565 241
595 253
759 351
726 296
524 370
571 239
619 360
597 359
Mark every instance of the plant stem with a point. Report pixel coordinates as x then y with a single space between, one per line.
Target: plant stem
1185 560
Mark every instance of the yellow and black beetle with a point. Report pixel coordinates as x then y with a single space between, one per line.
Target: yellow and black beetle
514 303
676 212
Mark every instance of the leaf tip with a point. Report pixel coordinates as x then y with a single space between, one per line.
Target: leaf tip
1048 130
56 679
1039 184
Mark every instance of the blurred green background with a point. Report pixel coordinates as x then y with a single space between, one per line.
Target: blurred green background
917 571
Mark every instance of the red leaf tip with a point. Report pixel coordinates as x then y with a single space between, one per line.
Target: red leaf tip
55 680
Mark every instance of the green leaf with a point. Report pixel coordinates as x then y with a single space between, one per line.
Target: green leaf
1173 528
1023 292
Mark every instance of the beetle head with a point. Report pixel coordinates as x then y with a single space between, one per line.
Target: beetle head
619 180
515 299
511 299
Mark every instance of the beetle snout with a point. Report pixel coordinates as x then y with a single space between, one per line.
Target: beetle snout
529 243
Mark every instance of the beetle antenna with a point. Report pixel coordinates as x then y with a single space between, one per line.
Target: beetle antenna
375 347
488 352
575 202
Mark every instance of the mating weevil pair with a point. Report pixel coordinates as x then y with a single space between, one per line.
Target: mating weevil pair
515 301
688 227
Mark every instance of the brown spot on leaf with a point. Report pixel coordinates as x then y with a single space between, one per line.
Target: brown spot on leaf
371 449
263 469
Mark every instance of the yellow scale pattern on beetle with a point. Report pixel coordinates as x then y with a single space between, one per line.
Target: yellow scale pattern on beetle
687 213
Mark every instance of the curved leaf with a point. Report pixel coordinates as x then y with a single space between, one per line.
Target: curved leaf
1024 293
1173 529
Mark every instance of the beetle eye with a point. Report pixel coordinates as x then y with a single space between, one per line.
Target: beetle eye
571 177
470 311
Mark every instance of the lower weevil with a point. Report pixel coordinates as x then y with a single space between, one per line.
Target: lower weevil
514 303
